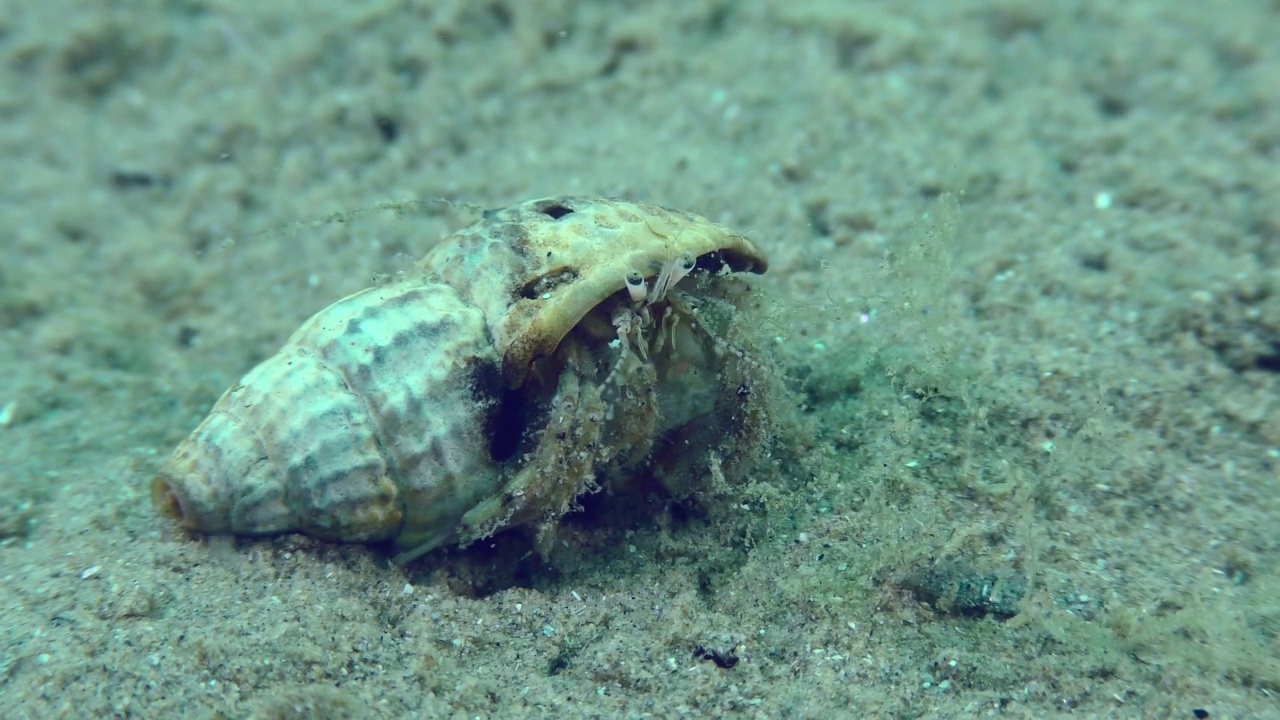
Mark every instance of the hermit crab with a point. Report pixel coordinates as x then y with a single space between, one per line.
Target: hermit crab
554 348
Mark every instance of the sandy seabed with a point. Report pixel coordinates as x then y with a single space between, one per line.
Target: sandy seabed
1026 299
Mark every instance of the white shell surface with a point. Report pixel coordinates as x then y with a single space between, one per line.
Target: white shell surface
365 425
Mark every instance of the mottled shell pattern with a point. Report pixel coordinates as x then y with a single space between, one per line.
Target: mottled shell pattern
551 349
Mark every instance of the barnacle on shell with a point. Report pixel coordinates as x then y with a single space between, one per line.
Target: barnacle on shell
514 369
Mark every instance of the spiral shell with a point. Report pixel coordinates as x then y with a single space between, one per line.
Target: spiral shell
550 349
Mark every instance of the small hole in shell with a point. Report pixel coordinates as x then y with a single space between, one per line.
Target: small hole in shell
539 286
555 211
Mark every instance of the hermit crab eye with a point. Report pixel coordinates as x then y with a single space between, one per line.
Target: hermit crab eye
635 286
683 267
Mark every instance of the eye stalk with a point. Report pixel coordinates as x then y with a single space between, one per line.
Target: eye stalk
636 287
682 267
672 273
